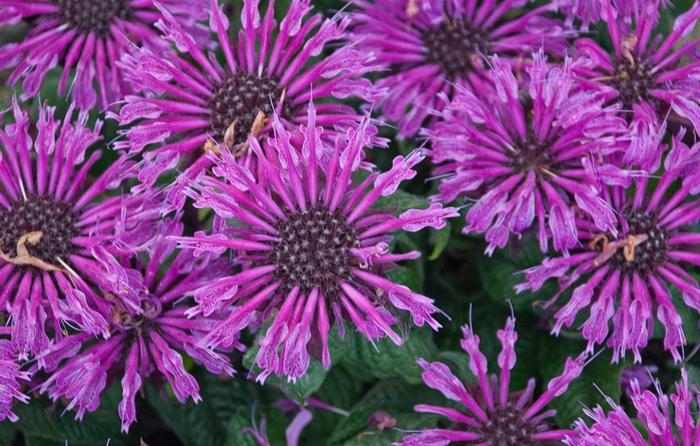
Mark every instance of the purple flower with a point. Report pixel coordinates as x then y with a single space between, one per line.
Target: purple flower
52 216
661 427
525 150
145 338
591 11
625 277
642 375
88 36
434 48
312 245
492 415
11 375
190 100
644 76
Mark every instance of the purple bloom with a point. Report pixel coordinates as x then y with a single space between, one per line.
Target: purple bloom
661 426
642 375
10 376
644 76
52 216
526 151
435 48
187 106
313 247
145 338
591 11
492 415
88 36
625 277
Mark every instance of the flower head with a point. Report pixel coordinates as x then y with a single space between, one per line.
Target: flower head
52 216
591 11
625 277
647 78
661 428
313 247
11 375
527 149
188 106
88 36
433 46
492 414
143 341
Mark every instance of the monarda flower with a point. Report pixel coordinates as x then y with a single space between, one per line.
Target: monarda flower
492 415
657 422
435 46
591 11
313 247
85 36
644 75
52 215
11 377
190 101
625 277
525 149
144 342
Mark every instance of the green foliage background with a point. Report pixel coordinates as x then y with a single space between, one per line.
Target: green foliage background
365 378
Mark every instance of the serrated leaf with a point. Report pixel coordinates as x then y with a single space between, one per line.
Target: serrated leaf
406 421
383 359
43 422
305 386
583 391
394 397
194 424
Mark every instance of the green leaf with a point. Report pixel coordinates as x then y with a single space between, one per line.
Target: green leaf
501 272
305 386
43 422
406 421
585 391
239 420
8 432
394 397
194 424
439 240
401 201
383 359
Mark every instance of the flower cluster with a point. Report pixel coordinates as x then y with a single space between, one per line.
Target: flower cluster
653 414
244 202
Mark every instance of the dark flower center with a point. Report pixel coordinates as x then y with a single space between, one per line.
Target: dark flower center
633 79
138 323
92 15
55 220
506 427
238 101
530 155
453 45
647 254
313 251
